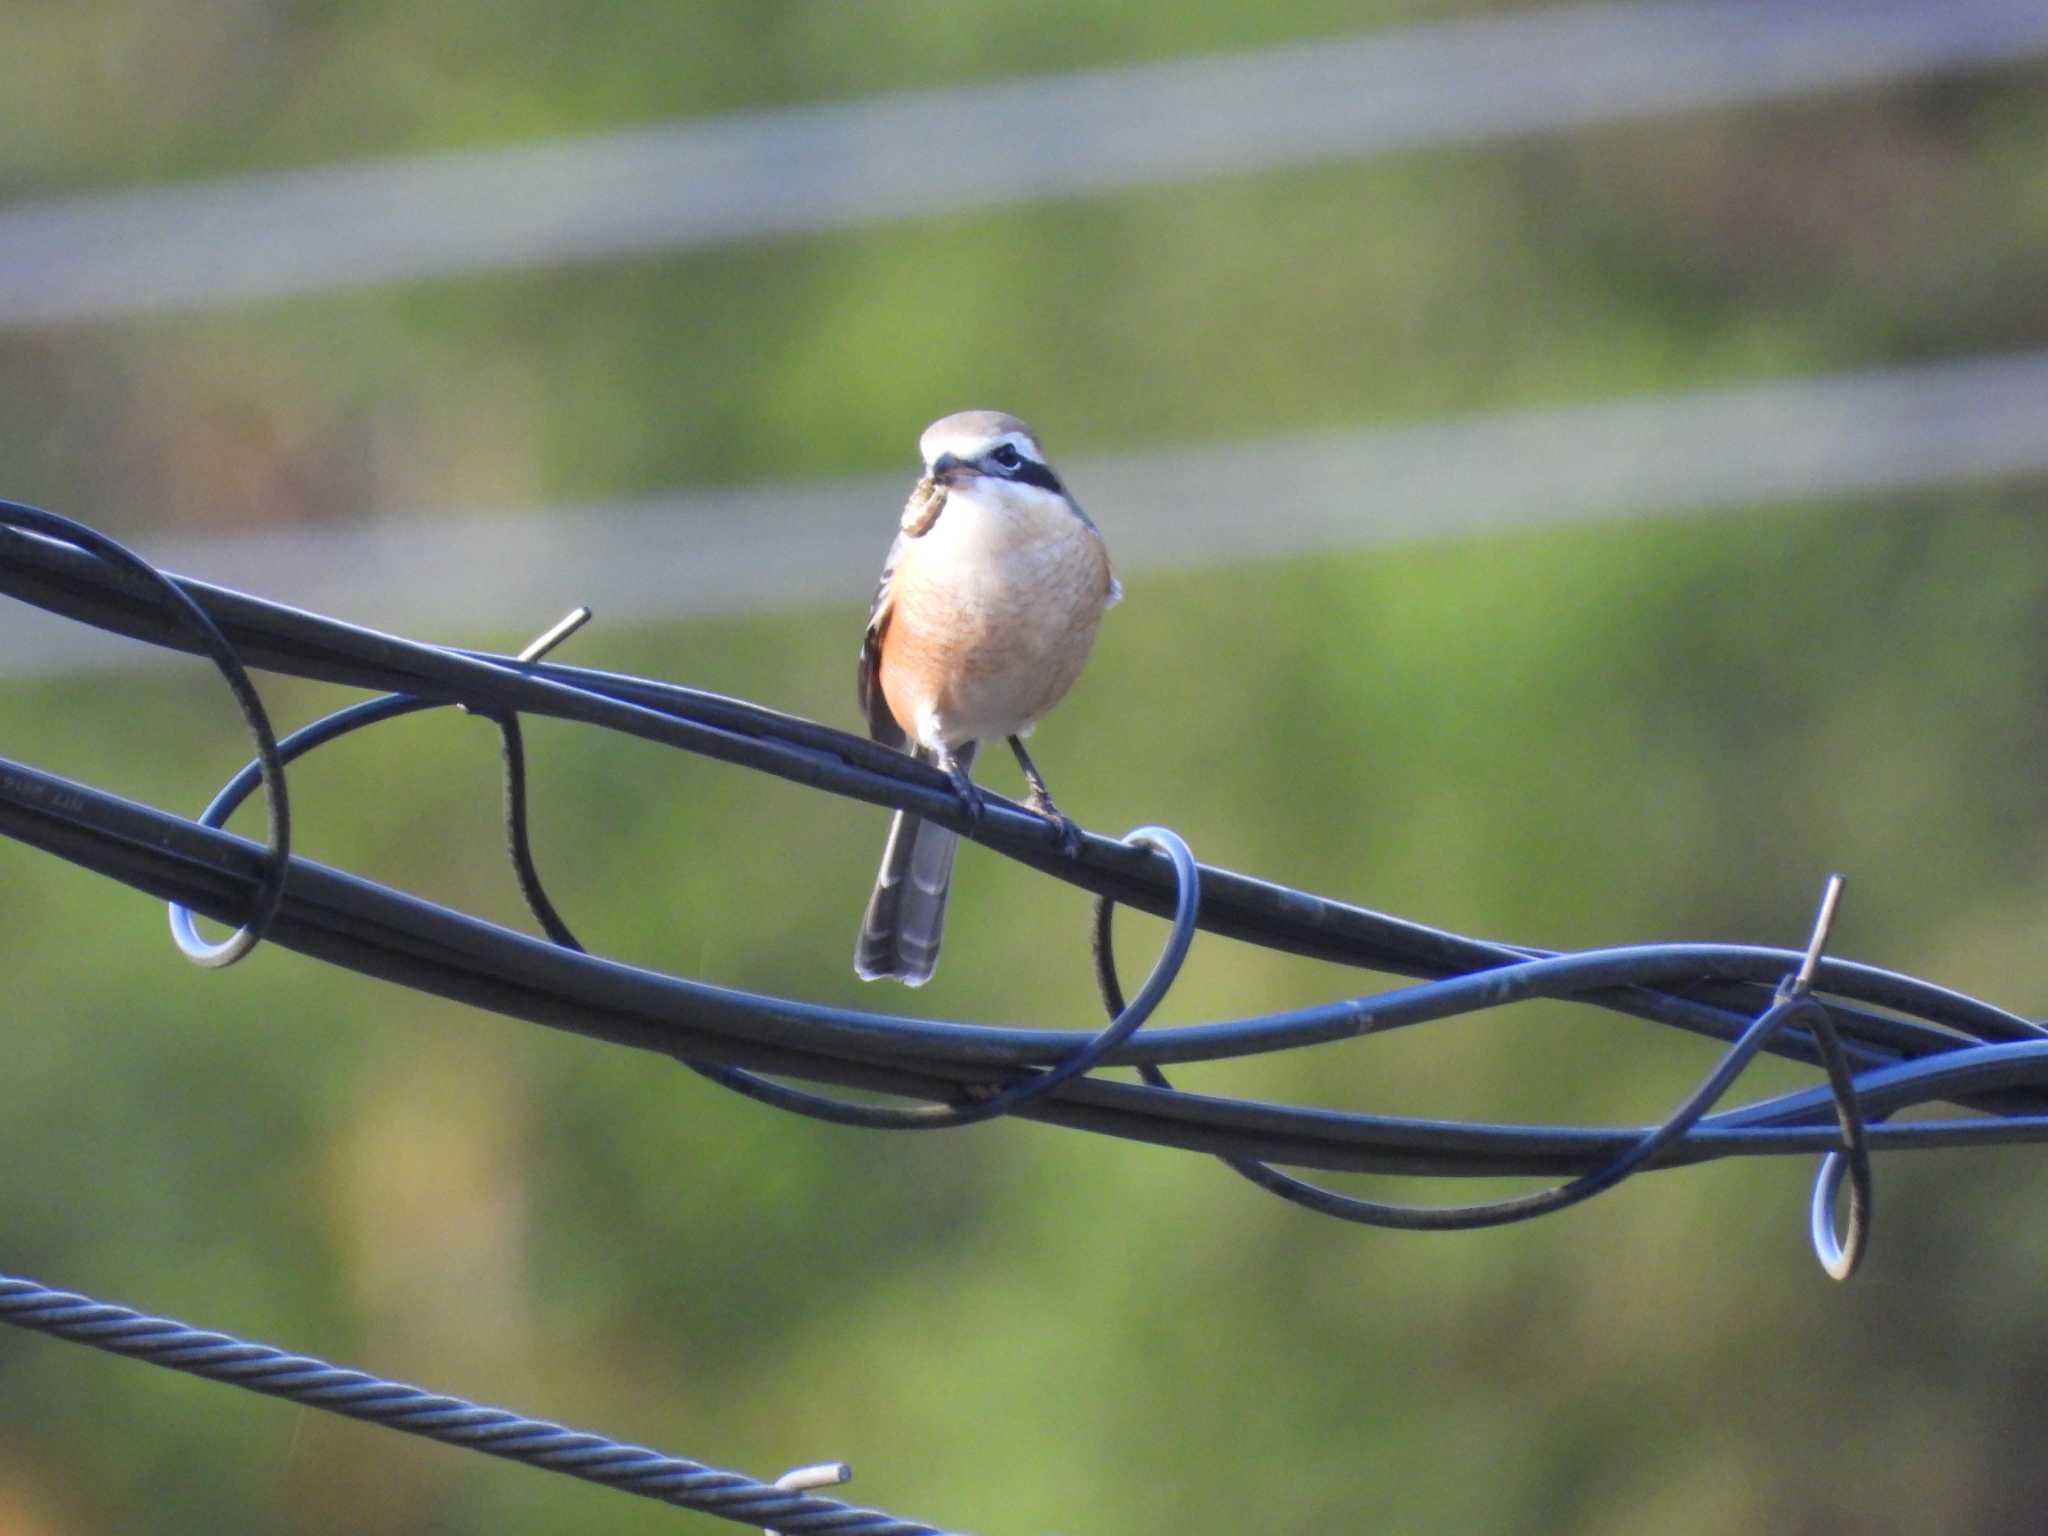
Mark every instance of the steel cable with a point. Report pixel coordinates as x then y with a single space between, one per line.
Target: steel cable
450 1420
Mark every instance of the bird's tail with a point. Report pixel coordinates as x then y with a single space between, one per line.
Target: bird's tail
899 934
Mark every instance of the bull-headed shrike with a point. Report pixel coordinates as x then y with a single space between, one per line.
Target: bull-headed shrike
988 605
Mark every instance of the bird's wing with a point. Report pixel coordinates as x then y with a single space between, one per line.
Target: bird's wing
882 725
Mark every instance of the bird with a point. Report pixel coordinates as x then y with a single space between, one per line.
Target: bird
987 609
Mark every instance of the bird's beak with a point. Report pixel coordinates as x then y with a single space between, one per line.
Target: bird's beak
945 469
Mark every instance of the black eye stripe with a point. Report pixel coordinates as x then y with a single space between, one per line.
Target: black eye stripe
1040 475
1006 462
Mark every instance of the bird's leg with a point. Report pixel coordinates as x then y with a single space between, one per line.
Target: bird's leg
1041 800
970 797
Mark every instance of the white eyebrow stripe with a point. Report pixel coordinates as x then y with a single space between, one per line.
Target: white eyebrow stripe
968 449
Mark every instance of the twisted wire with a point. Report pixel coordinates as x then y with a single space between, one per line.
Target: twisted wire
1838 1256
116 561
451 1420
1886 1042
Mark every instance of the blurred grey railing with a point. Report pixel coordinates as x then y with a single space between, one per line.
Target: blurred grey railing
707 552
802 170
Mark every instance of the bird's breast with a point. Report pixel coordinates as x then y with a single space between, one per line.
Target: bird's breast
995 610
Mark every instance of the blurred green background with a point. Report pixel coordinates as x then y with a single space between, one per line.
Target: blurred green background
1626 732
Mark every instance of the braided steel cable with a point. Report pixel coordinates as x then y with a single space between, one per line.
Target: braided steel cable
450 1420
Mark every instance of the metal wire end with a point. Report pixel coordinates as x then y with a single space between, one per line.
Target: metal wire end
562 629
819 1474
1839 1256
549 638
1823 928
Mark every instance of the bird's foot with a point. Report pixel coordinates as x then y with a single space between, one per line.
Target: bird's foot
1069 829
1041 801
970 797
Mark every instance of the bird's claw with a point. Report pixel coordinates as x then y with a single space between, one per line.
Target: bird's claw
1069 829
970 797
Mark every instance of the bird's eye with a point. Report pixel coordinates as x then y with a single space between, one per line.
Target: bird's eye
1007 457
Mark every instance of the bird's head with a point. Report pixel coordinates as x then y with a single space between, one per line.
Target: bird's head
986 445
